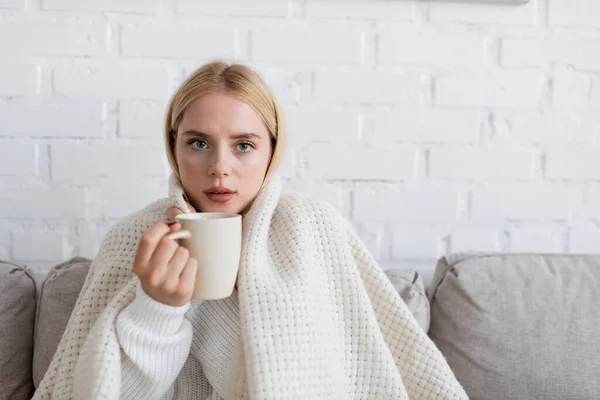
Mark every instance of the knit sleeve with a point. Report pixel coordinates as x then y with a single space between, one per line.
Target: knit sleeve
156 340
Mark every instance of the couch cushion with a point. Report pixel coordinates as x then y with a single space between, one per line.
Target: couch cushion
56 301
519 326
17 315
411 288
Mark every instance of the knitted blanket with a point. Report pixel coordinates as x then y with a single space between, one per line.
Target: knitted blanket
318 317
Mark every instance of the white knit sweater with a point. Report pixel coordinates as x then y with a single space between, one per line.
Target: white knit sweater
156 340
314 317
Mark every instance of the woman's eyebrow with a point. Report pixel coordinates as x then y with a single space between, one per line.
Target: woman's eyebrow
243 135
248 135
192 132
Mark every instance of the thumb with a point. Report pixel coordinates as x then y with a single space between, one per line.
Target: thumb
172 212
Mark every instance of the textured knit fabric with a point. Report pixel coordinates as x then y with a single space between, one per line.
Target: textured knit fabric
318 319
158 339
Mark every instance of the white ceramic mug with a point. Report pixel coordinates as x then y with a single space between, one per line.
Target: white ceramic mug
215 241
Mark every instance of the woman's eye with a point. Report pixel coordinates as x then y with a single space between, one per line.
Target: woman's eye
244 146
198 144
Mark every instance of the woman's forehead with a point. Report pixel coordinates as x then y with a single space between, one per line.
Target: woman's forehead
220 113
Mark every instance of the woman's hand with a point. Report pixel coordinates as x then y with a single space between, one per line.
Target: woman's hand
165 269
174 211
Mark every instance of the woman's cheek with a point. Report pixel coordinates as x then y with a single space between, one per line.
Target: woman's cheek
257 159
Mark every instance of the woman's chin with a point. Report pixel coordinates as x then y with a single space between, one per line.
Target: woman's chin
220 208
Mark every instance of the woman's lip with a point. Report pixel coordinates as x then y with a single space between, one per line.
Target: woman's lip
220 197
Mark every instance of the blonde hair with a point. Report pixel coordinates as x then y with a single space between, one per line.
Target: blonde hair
239 81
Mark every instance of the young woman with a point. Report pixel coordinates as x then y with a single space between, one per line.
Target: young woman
312 316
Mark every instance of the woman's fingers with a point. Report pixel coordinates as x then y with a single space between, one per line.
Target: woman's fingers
148 243
175 267
172 212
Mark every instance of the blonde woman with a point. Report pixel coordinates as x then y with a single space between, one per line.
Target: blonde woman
312 316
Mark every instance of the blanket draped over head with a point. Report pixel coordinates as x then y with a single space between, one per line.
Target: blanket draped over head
318 317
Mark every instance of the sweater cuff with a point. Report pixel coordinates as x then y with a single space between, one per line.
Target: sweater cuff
148 314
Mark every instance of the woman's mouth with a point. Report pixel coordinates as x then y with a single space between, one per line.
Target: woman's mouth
220 195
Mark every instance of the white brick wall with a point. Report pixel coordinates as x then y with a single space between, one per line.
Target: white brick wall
52 118
434 126
585 14
18 158
178 42
52 39
309 44
129 6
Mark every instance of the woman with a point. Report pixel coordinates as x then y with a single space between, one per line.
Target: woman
312 316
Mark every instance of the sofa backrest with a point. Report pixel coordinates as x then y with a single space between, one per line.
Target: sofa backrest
42 326
17 314
55 302
519 326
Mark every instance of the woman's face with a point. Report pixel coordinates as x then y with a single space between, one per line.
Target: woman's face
223 151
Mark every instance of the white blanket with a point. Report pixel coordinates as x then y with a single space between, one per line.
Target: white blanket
318 317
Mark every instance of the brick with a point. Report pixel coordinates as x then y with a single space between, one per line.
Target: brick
42 203
312 123
581 54
327 192
178 42
428 125
112 83
373 236
370 87
590 207
584 13
78 162
518 203
489 14
509 89
522 52
12 4
6 229
574 163
595 95
475 238
570 90
584 240
18 79
260 8
18 158
287 169
308 44
355 163
89 237
52 39
61 119
116 6
141 118
554 127
429 205
375 10
467 163
43 246
289 86
532 240
418 242
121 200
396 47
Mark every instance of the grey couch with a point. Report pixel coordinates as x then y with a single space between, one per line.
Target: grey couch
512 326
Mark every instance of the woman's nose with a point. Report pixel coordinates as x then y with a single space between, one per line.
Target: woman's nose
220 165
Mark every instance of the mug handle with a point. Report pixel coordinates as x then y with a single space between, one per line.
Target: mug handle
182 234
